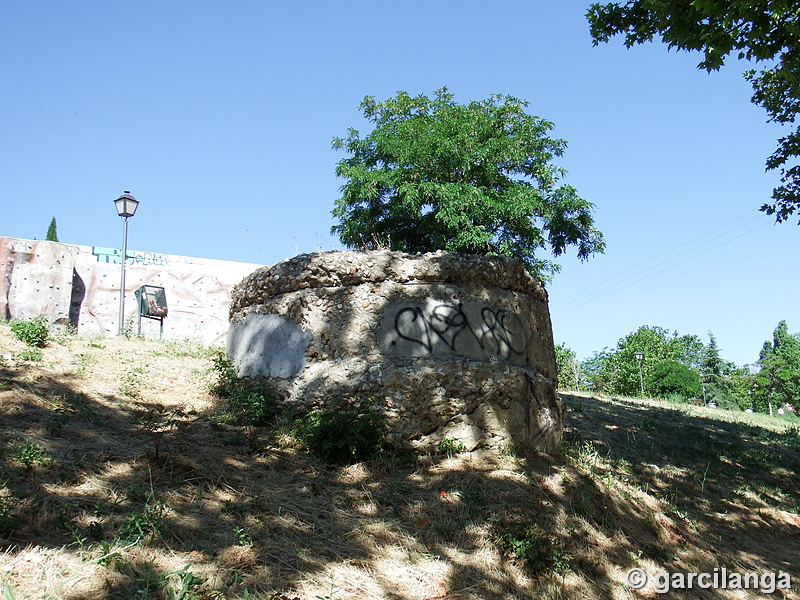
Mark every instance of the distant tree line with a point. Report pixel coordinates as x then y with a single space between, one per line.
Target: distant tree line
654 362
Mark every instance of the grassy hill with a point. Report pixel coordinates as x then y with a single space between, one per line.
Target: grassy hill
123 477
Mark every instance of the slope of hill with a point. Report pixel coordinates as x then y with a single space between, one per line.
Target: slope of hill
122 476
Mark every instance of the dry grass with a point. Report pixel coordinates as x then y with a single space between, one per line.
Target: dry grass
120 479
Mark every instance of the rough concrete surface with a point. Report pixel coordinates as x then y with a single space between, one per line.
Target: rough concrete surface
446 346
268 345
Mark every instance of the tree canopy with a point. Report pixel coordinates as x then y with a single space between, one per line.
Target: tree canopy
757 30
476 178
52 234
656 345
778 379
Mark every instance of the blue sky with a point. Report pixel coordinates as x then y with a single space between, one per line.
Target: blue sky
219 116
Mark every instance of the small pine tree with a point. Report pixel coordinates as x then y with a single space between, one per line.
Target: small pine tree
52 235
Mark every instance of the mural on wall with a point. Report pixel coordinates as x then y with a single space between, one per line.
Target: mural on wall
471 328
79 285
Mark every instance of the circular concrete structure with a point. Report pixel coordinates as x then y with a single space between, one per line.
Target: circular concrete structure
446 346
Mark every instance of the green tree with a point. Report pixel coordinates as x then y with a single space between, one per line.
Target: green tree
477 178
656 345
742 380
716 376
671 378
597 371
52 235
756 30
568 367
778 378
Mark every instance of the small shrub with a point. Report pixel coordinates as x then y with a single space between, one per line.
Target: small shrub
251 398
451 446
526 543
30 453
34 332
347 434
149 523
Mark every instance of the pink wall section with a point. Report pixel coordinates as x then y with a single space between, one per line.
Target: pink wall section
80 285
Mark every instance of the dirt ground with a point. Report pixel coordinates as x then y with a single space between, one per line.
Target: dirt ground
124 477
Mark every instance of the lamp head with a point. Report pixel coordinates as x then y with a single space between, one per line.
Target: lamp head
126 205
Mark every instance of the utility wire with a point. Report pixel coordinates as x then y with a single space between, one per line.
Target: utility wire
608 282
585 298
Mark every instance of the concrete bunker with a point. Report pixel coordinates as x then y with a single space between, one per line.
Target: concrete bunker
447 346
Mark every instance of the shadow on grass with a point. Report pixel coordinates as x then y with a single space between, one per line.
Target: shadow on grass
734 485
138 497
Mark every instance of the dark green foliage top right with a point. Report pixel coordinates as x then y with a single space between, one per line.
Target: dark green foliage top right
757 30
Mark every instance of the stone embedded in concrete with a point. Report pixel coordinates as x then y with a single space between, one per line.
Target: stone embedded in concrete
267 345
445 345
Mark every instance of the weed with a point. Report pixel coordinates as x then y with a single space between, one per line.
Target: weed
450 446
127 329
188 582
527 543
148 523
252 398
130 382
82 362
181 349
159 427
585 453
509 450
471 500
108 556
34 332
30 453
147 581
349 434
243 536
29 355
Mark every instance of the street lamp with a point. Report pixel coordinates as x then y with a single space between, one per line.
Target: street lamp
639 356
126 207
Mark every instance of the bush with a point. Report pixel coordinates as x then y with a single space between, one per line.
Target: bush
670 378
251 398
346 434
33 332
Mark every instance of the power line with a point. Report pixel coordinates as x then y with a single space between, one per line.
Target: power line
649 260
613 286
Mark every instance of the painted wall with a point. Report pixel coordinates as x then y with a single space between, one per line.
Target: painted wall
80 285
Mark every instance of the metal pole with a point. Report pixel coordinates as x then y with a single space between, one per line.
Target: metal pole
641 381
122 276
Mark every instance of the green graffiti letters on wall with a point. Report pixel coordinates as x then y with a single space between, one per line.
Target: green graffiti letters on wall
114 256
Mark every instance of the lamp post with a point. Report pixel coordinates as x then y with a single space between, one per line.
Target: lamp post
126 207
639 356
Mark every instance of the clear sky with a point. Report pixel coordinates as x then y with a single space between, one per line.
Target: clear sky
218 117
